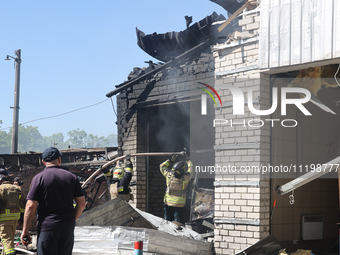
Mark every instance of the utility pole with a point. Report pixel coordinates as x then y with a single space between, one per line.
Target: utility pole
16 107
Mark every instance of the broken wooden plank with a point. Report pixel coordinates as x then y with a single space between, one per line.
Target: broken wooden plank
115 212
165 243
235 14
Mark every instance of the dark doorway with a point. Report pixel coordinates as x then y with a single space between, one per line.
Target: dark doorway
171 128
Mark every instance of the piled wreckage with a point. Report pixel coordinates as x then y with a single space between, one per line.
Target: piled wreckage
114 226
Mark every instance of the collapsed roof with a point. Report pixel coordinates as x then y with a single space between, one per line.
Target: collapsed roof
165 47
93 157
174 47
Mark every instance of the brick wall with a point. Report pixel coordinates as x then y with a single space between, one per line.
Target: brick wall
147 117
241 201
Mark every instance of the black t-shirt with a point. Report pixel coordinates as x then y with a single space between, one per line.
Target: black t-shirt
54 189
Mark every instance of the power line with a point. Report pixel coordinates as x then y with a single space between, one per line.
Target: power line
113 106
54 116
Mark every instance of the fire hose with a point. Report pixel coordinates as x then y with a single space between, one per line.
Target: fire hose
132 155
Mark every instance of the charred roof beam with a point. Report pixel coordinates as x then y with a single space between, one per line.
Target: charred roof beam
194 50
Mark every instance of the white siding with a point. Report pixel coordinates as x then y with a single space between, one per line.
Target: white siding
336 38
298 31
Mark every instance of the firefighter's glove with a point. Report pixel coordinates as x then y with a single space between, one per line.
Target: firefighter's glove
128 157
173 157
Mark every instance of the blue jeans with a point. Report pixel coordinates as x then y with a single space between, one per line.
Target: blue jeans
58 241
173 213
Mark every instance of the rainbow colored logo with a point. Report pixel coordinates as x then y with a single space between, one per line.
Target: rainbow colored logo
204 97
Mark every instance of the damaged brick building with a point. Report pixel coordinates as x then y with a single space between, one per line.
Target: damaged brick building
275 44
81 162
159 106
219 93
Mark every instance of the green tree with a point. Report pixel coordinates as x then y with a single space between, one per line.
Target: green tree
29 139
78 138
5 142
55 140
95 141
112 140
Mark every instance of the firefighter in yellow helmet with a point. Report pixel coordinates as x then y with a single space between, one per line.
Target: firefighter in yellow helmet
120 180
177 179
11 205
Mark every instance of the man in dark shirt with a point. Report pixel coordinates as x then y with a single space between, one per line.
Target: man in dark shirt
52 192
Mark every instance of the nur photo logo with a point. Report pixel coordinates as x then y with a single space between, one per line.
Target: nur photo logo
204 97
239 102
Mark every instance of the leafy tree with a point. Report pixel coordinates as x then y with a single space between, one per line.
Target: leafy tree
55 140
29 139
112 140
95 141
78 138
5 142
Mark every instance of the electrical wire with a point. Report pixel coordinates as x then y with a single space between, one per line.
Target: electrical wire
113 106
58 115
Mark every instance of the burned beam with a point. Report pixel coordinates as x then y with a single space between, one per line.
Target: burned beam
79 163
132 155
172 62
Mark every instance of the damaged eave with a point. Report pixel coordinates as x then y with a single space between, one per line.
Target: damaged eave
172 62
173 47
167 46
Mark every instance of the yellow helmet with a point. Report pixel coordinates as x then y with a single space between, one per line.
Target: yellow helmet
118 172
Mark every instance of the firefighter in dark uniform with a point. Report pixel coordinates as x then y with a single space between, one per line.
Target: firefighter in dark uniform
177 179
120 180
11 205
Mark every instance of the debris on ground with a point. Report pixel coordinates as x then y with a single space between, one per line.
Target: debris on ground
115 226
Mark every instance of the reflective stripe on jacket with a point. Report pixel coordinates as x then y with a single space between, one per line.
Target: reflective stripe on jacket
177 197
14 213
123 183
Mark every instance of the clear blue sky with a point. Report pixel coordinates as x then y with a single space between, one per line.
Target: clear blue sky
74 52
